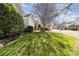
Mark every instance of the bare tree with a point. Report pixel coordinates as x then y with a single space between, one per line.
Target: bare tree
46 12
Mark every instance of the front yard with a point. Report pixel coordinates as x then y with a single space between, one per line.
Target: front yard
41 44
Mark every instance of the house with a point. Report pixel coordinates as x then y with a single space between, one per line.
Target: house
28 20
73 25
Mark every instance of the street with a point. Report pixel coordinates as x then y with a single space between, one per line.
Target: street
69 32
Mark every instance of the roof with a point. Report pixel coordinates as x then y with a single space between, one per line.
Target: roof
27 15
76 22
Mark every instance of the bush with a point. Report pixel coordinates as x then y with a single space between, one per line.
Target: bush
11 22
1 34
46 29
41 30
29 29
74 29
39 27
13 32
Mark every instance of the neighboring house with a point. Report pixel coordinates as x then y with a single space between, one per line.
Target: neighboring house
28 20
73 25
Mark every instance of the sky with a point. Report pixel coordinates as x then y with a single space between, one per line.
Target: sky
70 16
27 8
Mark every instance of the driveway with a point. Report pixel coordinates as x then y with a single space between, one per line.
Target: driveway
68 32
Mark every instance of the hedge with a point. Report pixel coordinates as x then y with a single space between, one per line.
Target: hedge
11 22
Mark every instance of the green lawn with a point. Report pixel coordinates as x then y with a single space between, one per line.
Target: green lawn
41 44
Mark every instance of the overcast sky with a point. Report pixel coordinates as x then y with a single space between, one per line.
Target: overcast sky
71 15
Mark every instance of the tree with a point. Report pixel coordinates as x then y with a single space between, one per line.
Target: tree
45 12
10 21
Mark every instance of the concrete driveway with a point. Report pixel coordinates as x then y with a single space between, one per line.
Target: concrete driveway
68 32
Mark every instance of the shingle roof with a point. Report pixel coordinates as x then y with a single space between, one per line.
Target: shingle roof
27 15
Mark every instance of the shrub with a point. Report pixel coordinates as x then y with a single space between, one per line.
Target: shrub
41 29
29 29
46 29
74 29
13 32
1 34
11 22
39 26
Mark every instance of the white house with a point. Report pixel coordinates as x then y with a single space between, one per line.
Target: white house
28 20
72 25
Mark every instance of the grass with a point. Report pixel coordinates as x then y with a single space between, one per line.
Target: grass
41 44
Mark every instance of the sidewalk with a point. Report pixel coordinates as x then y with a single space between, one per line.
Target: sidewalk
69 32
